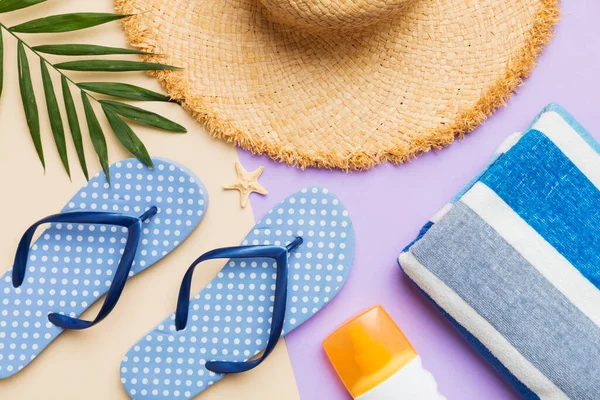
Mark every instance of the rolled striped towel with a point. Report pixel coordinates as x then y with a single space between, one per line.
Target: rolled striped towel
514 261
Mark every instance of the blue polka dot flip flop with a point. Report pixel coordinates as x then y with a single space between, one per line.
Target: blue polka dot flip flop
104 235
291 264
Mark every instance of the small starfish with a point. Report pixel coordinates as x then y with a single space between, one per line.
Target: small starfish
247 182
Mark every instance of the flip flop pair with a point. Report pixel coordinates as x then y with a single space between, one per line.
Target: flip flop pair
291 264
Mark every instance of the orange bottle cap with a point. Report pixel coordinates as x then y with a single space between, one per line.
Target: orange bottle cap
367 350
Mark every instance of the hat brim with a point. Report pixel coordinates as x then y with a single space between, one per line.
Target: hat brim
346 100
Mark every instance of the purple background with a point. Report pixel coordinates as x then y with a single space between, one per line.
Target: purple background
389 204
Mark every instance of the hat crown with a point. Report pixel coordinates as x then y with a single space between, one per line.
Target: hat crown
331 14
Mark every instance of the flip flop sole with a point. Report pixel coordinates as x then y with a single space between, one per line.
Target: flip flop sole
71 265
230 318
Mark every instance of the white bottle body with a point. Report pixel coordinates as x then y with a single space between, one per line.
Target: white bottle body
412 382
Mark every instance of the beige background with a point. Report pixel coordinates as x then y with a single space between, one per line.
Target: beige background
85 365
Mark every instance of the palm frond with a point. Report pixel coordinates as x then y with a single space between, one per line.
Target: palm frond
74 125
29 102
66 22
56 123
96 134
84 50
127 137
123 91
142 116
115 112
112 66
14 5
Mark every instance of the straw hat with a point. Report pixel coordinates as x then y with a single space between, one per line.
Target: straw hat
342 83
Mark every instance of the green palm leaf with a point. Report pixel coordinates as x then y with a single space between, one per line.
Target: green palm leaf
29 102
83 50
96 135
117 113
112 66
13 5
142 116
56 123
66 22
127 137
123 90
74 125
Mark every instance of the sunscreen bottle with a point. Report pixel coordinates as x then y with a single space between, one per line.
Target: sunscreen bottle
375 361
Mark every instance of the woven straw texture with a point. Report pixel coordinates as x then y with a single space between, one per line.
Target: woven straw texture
341 83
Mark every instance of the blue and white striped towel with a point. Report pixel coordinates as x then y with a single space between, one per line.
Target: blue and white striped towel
514 260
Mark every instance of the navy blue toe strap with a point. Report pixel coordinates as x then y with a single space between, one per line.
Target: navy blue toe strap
134 229
277 253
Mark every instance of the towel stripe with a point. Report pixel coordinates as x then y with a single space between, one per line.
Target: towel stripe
440 214
489 336
554 197
572 144
538 252
501 286
503 148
